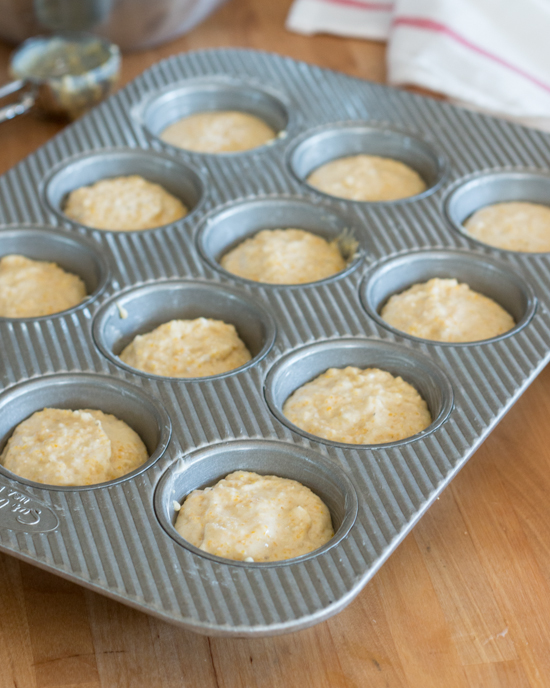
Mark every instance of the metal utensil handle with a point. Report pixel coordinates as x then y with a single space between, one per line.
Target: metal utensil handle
24 104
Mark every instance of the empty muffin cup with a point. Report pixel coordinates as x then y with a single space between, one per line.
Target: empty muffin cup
333 142
72 253
210 95
308 362
141 309
225 229
482 274
206 466
480 190
76 391
180 180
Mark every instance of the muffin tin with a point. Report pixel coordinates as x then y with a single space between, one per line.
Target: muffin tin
118 538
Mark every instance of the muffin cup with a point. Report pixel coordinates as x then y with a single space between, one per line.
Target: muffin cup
477 191
481 273
70 252
328 143
308 362
179 179
225 229
77 391
208 465
142 309
209 95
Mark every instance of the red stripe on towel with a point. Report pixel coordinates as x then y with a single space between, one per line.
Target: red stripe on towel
357 4
437 27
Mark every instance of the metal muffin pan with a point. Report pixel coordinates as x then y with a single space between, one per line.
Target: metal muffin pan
142 309
225 229
495 186
181 180
207 466
171 104
317 147
119 539
74 254
485 275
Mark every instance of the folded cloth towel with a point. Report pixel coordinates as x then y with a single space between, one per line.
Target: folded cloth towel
493 54
355 18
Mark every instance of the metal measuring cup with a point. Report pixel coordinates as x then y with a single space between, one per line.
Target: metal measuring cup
62 75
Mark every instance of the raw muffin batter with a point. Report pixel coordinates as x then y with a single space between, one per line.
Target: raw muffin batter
357 406
122 204
221 131
32 288
284 256
515 226
251 517
187 348
367 178
445 311
63 447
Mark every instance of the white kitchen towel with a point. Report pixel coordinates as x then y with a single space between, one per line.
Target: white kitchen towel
494 54
354 18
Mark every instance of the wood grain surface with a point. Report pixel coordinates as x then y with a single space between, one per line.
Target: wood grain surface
463 602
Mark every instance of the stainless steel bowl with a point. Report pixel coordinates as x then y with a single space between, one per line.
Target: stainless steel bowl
131 24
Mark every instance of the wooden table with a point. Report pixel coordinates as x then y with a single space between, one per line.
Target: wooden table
463 602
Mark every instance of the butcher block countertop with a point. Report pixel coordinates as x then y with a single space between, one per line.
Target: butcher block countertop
464 602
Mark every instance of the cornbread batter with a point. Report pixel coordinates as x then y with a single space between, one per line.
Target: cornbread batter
221 131
357 406
187 348
251 517
515 226
32 288
367 178
62 447
284 256
445 311
123 204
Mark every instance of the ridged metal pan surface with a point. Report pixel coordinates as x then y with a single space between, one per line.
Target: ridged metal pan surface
118 539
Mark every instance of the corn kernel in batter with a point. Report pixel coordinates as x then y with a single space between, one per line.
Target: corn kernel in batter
284 256
220 131
251 517
357 406
514 226
123 204
34 288
443 310
187 348
367 178
63 447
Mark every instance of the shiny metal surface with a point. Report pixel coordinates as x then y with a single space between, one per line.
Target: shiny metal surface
216 93
468 195
483 274
71 252
207 466
144 308
304 364
319 146
61 76
178 178
131 24
226 228
110 538
142 412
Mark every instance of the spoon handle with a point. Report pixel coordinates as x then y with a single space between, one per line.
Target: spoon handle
25 102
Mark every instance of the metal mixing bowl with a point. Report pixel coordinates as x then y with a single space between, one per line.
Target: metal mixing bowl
130 24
